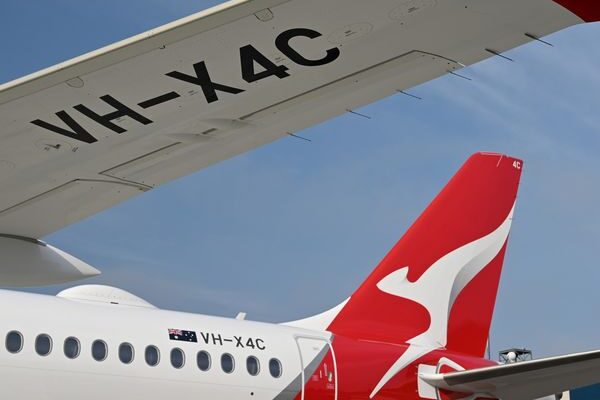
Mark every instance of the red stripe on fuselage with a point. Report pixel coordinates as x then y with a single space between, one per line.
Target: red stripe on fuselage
588 10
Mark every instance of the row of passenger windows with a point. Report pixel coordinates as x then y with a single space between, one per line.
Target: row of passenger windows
126 353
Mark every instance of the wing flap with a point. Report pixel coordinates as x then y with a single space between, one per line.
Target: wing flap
524 380
65 204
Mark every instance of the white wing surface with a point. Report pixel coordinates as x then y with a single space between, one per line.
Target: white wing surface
86 134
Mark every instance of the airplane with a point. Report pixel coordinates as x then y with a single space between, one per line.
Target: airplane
92 132
417 328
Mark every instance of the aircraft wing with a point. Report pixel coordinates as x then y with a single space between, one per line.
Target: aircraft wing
86 134
524 380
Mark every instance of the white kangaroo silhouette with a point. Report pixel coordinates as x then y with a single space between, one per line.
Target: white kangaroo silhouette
437 290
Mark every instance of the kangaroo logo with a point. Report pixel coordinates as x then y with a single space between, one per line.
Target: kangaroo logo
437 290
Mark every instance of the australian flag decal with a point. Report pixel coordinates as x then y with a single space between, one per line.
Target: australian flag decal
183 336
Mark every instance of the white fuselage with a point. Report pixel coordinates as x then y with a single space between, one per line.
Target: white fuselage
29 375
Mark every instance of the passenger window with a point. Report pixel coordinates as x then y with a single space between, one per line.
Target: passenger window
275 368
99 350
14 342
152 356
252 365
71 347
126 353
177 358
227 363
203 360
43 345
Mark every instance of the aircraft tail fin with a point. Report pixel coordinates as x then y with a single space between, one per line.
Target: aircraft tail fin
437 286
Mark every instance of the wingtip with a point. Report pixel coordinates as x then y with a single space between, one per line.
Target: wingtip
587 10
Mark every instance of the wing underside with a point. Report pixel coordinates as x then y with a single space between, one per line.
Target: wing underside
82 136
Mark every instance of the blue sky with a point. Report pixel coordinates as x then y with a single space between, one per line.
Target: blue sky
292 228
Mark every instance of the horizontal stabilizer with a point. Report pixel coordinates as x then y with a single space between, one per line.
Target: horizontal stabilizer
28 262
525 380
